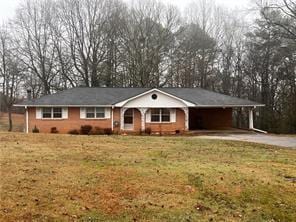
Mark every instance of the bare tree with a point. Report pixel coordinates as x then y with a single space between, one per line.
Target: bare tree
148 35
86 25
10 72
33 35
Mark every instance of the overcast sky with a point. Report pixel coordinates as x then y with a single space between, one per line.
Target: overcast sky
7 7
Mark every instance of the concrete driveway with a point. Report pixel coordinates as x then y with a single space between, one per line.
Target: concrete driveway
284 141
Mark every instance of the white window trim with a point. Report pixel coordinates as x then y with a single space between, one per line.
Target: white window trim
95 113
160 116
52 117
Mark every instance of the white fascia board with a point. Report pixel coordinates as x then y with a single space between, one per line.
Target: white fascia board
228 106
62 105
122 103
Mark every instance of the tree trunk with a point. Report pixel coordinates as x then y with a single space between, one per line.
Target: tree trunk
9 119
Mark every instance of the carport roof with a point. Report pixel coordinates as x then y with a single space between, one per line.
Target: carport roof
84 96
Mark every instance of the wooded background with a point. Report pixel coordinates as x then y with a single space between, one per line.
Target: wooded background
52 45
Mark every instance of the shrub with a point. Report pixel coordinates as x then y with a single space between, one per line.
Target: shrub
148 131
178 131
54 130
85 130
97 131
74 132
35 130
108 131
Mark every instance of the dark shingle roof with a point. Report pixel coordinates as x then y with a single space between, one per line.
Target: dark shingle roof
109 96
204 97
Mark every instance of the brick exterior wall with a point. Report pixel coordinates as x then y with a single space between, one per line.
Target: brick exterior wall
211 119
65 125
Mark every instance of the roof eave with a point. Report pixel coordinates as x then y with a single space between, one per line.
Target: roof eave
229 106
33 105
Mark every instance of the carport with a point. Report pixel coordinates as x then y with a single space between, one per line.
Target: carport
210 118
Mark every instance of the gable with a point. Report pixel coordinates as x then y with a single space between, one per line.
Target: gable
154 98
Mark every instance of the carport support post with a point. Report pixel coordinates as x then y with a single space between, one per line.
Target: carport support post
251 119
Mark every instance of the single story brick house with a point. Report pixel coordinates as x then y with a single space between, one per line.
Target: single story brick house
134 109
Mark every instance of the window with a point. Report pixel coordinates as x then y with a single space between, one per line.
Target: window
90 112
160 115
52 113
100 112
129 116
155 115
95 112
57 112
154 96
46 112
165 115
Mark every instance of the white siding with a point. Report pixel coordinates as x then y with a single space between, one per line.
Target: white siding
162 101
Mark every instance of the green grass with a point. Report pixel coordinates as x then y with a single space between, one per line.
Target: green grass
123 178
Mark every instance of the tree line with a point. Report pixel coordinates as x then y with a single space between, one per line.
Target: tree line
52 45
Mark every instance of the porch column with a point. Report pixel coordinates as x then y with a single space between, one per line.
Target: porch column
143 113
186 112
122 111
251 119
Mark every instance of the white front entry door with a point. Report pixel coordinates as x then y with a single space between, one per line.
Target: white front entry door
128 119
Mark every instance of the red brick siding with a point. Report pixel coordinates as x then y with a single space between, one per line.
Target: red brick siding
216 118
65 125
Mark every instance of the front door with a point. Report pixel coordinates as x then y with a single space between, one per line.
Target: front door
129 119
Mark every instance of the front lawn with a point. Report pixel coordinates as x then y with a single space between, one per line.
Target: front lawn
123 178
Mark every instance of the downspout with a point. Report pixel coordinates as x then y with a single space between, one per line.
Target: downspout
251 121
27 120
112 124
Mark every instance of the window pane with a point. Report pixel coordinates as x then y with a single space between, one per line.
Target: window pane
165 112
155 111
128 116
128 120
90 112
165 115
46 112
155 115
155 118
165 118
100 112
129 112
90 115
57 112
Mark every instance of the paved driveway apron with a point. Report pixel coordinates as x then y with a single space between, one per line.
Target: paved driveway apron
284 141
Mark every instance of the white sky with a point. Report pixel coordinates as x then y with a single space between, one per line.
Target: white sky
7 7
